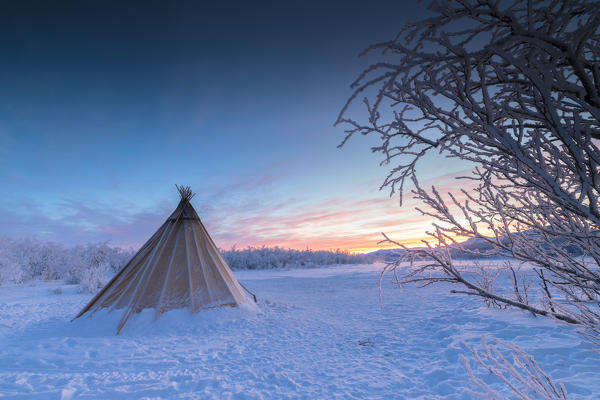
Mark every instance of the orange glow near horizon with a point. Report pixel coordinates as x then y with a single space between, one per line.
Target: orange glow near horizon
347 224
352 245
351 225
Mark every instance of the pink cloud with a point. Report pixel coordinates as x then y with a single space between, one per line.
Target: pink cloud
344 223
243 213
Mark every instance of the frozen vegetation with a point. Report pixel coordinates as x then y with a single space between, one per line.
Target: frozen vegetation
90 266
511 91
277 257
26 259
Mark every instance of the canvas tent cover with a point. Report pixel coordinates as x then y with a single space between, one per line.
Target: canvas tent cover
179 266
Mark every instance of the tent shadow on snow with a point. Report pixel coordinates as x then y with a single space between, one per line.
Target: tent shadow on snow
178 267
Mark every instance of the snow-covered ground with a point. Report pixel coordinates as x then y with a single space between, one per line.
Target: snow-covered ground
322 333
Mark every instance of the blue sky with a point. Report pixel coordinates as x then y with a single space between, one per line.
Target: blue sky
105 106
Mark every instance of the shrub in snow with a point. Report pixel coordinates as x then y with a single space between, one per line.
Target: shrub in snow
33 258
89 266
10 270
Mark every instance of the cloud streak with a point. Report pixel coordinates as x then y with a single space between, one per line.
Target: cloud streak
240 213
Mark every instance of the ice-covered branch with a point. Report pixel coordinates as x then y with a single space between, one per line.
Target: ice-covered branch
513 89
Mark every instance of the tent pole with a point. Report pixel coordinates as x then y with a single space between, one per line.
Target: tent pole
246 289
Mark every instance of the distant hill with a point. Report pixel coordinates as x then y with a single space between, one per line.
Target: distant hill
474 245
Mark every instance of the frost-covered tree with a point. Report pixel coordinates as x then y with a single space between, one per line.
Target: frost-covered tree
513 89
88 266
24 259
9 272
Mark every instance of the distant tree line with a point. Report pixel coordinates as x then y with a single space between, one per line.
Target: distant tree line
92 265
278 257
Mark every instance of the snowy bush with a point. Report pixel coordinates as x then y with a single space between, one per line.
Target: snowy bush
89 266
9 272
29 258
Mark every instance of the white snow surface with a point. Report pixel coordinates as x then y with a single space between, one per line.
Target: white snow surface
320 334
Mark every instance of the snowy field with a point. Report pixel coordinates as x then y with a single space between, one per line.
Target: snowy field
322 333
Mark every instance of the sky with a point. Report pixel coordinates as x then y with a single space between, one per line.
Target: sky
105 106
